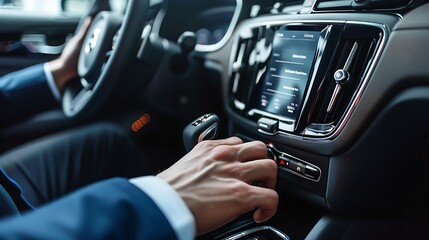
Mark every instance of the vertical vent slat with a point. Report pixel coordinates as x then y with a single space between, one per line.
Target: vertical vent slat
242 72
237 65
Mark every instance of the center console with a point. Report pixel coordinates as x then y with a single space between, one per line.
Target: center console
317 89
294 82
300 80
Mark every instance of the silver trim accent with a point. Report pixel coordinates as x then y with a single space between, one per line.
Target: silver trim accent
37 43
236 82
254 10
270 115
351 57
257 229
213 127
368 73
334 98
155 2
239 105
341 76
301 175
146 31
228 34
239 62
237 66
266 133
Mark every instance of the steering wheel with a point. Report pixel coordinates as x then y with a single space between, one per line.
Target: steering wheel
100 64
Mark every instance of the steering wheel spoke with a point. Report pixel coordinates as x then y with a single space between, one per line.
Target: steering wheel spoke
80 99
101 64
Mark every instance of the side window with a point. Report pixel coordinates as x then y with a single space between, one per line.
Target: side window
48 7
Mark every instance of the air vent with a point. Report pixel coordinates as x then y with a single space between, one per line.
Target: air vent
345 76
343 60
253 50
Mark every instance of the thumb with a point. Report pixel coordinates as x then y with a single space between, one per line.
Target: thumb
84 28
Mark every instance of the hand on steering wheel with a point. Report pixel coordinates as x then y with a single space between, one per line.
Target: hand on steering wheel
64 68
100 65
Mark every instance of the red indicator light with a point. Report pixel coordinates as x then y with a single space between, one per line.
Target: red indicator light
282 162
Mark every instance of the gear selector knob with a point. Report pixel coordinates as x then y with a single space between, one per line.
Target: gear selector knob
202 128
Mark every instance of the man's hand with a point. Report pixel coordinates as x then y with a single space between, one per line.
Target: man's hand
222 179
64 68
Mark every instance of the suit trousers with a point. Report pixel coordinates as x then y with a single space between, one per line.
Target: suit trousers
55 165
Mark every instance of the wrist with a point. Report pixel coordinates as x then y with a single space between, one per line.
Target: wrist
60 73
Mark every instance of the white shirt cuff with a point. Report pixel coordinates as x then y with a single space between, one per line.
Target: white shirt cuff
51 82
170 203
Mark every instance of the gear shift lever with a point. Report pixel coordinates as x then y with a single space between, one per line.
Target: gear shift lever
202 128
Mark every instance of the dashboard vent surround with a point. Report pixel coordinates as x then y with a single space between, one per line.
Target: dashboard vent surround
349 67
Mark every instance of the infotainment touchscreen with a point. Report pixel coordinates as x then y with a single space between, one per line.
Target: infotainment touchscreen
288 72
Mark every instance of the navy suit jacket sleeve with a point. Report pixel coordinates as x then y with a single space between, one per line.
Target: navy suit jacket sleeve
111 209
24 93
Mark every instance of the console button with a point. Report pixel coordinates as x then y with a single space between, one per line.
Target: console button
268 125
312 172
292 164
297 166
283 161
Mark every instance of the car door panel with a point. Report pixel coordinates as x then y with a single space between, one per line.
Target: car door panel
28 39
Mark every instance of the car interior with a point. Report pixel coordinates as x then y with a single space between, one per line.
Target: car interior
338 90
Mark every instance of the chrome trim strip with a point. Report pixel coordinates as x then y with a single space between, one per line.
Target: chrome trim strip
257 229
228 34
254 111
239 105
302 175
351 57
334 98
36 43
207 131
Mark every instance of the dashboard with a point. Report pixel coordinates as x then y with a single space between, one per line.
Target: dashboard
338 92
209 20
212 25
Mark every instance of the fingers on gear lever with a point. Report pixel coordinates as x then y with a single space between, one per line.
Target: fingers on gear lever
202 128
